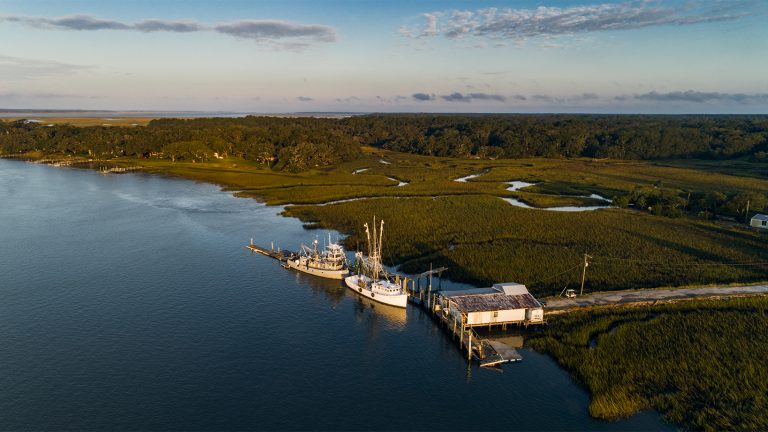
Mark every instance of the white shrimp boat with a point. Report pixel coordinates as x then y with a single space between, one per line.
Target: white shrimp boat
368 281
331 263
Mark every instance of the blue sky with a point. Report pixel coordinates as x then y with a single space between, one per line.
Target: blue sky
645 56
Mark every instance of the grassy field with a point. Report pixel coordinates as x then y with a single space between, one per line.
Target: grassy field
700 363
737 167
483 239
433 176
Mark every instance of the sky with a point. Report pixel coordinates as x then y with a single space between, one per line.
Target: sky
644 56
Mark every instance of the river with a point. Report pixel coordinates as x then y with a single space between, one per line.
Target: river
129 302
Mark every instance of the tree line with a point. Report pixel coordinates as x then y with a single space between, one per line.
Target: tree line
297 144
597 136
674 203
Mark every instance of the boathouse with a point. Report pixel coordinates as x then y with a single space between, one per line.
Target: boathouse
501 304
759 221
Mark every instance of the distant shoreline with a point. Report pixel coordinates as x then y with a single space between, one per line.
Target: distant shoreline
52 113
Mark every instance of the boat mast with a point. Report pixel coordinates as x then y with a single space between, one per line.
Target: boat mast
374 255
378 244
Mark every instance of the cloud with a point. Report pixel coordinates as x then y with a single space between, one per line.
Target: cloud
349 99
261 30
14 95
545 98
169 26
70 22
304 99
428 29
283 34
699 97
421 97
14 68
469 97
521 24
585 97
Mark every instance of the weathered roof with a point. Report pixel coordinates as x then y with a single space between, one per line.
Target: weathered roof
494 302
470 291
760 217
511 288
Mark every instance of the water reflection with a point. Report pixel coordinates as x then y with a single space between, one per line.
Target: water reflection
330 289
335 292
395 317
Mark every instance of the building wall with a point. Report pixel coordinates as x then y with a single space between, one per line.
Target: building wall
511 315
535 315
757 223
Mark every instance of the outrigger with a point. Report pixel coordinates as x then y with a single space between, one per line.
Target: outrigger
372 280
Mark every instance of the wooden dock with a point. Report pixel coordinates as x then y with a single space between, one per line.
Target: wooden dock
488 352
120 170
280 255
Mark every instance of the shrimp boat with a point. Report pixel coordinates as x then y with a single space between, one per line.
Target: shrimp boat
330 263
371 280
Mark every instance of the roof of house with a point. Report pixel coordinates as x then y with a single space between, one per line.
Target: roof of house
501 296
494 302
760 217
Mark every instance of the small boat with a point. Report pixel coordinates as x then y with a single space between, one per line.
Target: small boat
330 263
371 280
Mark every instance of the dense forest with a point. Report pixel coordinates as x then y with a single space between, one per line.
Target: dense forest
297 144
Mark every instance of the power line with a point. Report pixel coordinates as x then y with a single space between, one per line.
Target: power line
554 276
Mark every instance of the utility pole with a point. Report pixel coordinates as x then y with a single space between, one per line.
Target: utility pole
584 273
746 213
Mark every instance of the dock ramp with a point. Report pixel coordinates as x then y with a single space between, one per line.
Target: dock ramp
496 353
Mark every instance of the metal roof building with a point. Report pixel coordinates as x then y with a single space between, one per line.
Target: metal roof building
503 303
759 221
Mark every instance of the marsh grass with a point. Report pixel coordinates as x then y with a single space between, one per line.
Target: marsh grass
700 363
482 239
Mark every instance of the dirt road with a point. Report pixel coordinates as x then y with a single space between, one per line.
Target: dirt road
650 296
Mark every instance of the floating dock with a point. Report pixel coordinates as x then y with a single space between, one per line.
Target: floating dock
280 255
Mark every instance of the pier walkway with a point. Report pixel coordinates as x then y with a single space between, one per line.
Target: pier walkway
488 351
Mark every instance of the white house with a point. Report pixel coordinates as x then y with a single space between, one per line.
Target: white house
503 303
759 221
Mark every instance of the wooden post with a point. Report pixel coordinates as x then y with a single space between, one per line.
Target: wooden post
746 213
584 273
469 346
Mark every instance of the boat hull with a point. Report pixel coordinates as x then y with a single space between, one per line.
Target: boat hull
362 286
330 274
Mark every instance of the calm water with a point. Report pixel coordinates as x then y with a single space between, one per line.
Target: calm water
129 302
